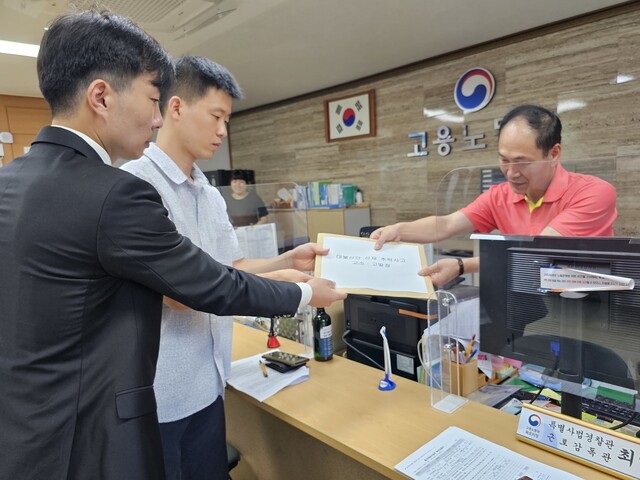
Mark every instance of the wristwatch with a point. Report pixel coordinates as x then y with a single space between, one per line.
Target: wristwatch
460 266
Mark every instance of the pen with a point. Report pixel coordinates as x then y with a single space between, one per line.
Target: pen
472 354
263 368
469 351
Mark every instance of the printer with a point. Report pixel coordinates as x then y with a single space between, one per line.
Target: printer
405 320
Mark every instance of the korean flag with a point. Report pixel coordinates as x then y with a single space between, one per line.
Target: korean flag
349 117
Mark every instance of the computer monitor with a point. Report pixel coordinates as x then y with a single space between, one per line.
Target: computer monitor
596 336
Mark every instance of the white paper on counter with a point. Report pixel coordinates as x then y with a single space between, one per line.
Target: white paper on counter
247 377
456 453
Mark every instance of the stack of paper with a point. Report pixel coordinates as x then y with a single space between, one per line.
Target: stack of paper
456 453
247 377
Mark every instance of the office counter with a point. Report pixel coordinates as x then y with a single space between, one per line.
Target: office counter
339 425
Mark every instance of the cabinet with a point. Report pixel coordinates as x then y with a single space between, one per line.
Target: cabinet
291 227
340 221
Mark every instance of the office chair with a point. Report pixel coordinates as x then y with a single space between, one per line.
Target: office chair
367 231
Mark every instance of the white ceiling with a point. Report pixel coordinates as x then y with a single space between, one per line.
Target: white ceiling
279 49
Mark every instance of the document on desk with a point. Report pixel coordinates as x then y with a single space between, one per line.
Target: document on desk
357 268
456 453
247 377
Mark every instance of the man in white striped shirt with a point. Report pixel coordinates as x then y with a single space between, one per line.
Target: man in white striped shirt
195 347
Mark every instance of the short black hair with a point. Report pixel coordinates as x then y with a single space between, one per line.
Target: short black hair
240 175
79 47
544 122
196 75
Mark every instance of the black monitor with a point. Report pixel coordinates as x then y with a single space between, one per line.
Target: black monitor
596 336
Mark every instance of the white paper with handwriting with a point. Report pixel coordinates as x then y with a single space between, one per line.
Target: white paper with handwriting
357 267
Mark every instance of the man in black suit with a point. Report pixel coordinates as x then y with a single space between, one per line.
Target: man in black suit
86 254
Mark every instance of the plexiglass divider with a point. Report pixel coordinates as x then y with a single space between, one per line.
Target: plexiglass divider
573 343
269 218
441 354
452 370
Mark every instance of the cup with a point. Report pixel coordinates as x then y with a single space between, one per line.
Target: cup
468 375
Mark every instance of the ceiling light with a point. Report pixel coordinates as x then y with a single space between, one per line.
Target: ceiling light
15 48
624 78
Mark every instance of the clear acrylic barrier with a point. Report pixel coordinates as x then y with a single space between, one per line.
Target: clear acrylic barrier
441 354
577 344
269 218
447 342
461 186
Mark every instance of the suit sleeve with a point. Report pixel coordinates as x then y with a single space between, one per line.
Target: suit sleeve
137 241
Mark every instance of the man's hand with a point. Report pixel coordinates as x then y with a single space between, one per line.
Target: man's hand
171 303
390 233
441 272
324 292
303 257
287 275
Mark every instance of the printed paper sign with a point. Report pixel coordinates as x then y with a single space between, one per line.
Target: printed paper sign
564 279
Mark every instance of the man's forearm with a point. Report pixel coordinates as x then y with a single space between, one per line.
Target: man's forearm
425 230
417 231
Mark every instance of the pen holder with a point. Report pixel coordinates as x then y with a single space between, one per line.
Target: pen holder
468 374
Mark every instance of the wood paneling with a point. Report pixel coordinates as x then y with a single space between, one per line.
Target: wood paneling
575 67
23 117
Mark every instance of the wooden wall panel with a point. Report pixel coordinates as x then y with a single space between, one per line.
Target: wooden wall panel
23 117
577 61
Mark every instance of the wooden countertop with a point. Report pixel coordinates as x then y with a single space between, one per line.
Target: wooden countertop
341 406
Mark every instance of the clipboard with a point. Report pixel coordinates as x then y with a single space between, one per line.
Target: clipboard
366 271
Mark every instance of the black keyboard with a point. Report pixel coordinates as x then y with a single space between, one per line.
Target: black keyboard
608 409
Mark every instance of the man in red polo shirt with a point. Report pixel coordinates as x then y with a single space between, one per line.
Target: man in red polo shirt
538 198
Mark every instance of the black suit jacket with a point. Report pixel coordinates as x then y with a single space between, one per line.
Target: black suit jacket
86 253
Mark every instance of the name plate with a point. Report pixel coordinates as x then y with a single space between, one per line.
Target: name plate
607 450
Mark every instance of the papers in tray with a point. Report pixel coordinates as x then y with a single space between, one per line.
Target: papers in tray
247 377
456 453
492 395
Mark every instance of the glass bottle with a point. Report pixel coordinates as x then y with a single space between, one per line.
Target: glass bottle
322 336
